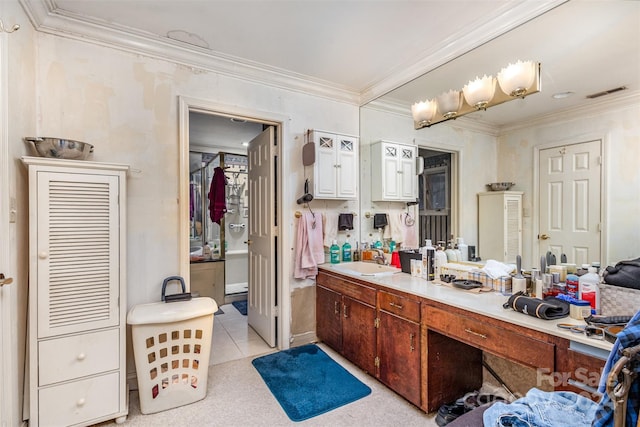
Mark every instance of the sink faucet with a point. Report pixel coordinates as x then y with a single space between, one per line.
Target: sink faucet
380 258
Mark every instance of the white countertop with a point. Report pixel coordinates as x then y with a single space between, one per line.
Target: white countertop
484 303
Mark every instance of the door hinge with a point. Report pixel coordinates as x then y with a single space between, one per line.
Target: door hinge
376 323
276 311
376 362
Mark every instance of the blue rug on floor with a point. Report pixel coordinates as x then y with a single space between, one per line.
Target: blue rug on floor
307 382
241 306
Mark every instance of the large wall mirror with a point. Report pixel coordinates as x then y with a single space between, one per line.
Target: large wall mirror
585 49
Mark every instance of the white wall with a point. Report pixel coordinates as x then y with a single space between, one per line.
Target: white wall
620 128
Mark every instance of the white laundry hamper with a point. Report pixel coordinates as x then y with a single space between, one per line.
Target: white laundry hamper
171 346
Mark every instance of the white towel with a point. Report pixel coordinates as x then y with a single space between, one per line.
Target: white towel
309 250
395 227
330 227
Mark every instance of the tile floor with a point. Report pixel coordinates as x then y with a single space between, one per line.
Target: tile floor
233 338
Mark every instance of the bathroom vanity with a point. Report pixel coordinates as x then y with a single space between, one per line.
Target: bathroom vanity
425 341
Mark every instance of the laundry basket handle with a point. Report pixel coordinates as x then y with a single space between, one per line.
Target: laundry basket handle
169 279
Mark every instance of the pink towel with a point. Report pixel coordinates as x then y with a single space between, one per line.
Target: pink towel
309 249
409 234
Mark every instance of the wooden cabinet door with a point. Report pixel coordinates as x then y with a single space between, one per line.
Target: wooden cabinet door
329 317
359 333
399 355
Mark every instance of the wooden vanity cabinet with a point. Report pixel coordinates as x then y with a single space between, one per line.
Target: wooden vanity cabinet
399 345
207 280
578 371
345 319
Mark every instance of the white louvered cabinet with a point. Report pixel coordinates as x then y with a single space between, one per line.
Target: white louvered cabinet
77 292
335 171
500 225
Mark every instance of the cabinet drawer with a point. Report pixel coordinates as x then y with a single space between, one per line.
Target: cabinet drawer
79 401
348 288
77 356
491 336
403 307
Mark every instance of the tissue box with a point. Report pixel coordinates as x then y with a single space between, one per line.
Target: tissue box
618 301
501 284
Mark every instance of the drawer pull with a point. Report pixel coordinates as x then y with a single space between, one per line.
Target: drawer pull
344 311
411 344
81 357
80 402
478 334
398 306
336 307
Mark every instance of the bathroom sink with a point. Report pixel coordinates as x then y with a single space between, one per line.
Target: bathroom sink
366 268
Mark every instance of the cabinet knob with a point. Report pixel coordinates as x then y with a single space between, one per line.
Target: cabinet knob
81 356
43 254
81 402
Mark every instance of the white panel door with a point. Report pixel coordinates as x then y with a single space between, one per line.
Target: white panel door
348 167
408 177
570 198
261 298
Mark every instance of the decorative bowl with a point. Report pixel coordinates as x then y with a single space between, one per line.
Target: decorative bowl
61 148
501 186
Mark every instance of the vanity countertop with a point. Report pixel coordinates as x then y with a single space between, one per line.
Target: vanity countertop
484 303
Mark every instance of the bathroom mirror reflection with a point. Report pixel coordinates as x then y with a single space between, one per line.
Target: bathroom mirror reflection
578 46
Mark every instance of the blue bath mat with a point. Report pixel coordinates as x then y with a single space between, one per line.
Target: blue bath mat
307 382
241 306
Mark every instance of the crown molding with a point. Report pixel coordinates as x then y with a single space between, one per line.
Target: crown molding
594 108
46 18
504 20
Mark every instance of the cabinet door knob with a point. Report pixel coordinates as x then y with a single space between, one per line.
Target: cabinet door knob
81 356
43 254
81 402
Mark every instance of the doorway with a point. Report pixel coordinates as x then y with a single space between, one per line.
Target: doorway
212 141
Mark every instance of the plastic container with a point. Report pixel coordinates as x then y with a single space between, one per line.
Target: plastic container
334 253
464 249
579 310
346 252
589 288
171 346
572 285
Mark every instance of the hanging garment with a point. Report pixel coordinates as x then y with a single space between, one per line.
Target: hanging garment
309 249
217 197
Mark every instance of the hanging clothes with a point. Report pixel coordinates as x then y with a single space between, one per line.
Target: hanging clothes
217 196
309 249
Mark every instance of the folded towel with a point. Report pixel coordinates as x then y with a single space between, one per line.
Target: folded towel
345 221
309 249
330 228
496 269
380 220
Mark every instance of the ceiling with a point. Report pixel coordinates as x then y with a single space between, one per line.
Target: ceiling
359 50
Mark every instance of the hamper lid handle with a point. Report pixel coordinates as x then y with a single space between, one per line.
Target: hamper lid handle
169 279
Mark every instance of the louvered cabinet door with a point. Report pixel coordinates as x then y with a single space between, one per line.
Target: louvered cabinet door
77 252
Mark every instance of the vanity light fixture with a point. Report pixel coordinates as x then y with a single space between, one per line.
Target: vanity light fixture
479 93
513 81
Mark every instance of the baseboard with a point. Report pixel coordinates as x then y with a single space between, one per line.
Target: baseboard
302 339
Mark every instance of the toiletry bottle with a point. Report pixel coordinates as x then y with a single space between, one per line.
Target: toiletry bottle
572 285
356 253
377 244
334 253
428 260
589 288
346 252
392 246
440 260
464 249
449 252
206 251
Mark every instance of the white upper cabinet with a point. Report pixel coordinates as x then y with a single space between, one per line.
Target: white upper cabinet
335 171
393 172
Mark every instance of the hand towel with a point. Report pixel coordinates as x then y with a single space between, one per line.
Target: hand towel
380 220
345 221
409 234
309 249
395 226
330 228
